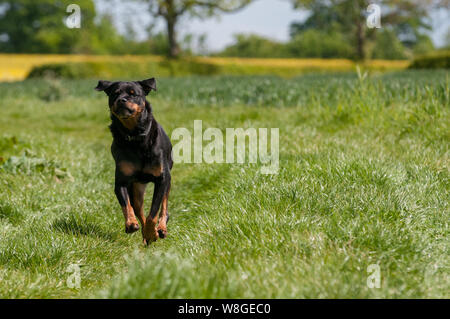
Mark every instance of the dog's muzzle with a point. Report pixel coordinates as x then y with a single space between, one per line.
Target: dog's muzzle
125 109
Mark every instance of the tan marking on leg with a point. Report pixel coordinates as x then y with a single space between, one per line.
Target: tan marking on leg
126 168
162 225
154 170
131 224
149 232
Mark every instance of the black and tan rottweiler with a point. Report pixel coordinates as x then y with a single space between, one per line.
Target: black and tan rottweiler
142 152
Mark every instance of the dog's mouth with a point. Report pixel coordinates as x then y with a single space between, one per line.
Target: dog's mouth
123 116
126 110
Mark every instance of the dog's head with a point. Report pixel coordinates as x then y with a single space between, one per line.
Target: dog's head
127 99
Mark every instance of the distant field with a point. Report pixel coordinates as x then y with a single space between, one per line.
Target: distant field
16 66
364 180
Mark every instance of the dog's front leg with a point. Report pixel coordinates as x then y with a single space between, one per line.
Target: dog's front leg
137 195
150 232
131 224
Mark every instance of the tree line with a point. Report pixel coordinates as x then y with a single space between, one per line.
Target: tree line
333 29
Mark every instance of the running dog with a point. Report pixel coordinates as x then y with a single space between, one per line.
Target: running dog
142 152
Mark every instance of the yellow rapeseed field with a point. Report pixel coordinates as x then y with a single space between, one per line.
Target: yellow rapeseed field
15 67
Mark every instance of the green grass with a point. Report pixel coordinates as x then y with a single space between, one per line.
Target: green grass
364 179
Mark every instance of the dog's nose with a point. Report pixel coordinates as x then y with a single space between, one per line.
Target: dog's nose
123 100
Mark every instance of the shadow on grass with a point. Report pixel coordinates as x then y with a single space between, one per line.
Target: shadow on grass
74 226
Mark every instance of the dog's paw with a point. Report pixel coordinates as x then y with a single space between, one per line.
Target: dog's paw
131 228
162 233
149 234
148 241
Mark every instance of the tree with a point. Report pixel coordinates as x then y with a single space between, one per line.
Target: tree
29 26
37 26
405 17
172 10
447 39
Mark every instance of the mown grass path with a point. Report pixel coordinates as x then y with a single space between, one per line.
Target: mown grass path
363 180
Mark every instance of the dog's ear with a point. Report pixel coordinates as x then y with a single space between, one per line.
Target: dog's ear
148 85
103 86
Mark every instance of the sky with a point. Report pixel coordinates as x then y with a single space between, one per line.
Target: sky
269 18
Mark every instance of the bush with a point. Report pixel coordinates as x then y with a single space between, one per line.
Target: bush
66 70
129 69
143 67
388 46
255 46
313 43
436 60
173 68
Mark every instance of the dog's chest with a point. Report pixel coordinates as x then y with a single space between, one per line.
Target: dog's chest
139 168
152 169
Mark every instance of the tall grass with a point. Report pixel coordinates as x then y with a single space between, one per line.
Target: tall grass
364 179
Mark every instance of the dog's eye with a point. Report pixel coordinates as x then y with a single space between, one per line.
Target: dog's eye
131 92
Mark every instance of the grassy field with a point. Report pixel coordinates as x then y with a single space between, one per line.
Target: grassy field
363 180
